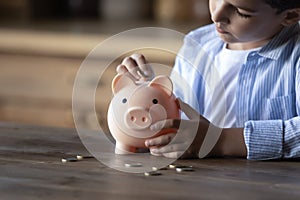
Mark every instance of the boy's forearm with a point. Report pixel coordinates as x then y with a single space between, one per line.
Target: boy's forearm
230 143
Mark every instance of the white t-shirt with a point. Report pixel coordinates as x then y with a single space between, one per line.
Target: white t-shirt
228 64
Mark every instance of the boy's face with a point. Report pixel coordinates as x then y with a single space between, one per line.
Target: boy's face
245 24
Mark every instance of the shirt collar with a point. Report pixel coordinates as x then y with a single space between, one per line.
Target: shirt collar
273 49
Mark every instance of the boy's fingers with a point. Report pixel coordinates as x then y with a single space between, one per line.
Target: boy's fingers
164 124
121 69
139 59
173 155
169 151
156 154
160 140
144 68
131 66
136 66
146 71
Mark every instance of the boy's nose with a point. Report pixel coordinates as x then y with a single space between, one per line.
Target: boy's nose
219 13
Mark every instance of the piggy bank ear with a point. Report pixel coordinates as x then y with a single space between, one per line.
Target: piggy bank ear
164 83
121 81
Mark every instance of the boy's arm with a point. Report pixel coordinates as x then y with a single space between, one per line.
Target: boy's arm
231 143
261 140
275 139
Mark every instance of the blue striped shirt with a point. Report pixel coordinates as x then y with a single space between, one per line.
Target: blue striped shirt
267 92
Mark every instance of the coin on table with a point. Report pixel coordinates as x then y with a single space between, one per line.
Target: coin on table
172 166
64 160
133 164
184 169
81 157
152 173
156 168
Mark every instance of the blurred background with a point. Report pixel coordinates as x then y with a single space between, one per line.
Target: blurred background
44 42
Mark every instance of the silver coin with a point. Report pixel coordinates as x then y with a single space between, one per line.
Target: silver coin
156 168
184 169
172 166
81 157
64 160
133 164
153 173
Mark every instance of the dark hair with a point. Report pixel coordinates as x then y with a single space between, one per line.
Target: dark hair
282 5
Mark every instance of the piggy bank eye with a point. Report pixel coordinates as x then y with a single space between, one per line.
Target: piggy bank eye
124 100
154 101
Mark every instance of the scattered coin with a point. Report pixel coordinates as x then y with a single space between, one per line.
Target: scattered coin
133 164
184 169
156 168
64 160
81 157
153 173
172 166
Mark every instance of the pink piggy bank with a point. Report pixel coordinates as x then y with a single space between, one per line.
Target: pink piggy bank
135 107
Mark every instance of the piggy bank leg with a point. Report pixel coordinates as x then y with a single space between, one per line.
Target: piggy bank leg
124 149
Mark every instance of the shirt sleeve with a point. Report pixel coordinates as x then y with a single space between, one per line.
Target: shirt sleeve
275 139
187 79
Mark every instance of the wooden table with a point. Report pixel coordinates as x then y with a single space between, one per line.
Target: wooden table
31 168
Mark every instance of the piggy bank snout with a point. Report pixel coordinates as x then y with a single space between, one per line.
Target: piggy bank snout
138 118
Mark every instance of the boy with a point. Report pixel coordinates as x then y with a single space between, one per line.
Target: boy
255 46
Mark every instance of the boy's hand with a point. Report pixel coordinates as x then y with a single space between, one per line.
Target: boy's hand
137 67
190 136
187 141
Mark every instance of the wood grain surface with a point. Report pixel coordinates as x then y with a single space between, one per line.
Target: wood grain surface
31 168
